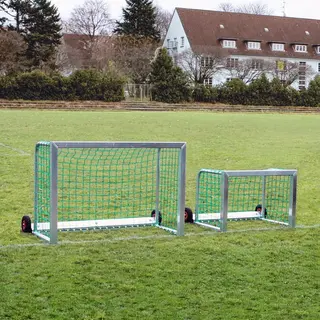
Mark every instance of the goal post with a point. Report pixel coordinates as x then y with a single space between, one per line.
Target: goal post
98 185
232 195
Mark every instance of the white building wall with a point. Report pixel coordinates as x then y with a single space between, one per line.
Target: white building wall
223 75
176 33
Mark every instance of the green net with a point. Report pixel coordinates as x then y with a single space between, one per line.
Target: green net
245 193
108 187
42 187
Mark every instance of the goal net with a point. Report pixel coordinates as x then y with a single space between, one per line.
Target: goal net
98 185
268 195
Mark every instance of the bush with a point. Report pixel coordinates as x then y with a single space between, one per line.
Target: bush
81 85
202 93
282 95
312 94
234 92
170 83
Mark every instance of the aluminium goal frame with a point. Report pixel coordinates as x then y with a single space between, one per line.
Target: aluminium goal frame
56 145
224 193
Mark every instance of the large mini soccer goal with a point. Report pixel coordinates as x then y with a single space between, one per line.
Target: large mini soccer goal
231 195
99 185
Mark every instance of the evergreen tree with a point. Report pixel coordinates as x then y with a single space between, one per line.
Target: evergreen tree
42 32
15 11
139 20
170 83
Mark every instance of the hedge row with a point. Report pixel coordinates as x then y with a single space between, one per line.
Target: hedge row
259 92
80 85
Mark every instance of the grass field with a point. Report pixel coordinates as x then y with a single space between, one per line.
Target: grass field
148 273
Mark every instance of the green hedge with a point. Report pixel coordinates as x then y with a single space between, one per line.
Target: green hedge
260 92
81 85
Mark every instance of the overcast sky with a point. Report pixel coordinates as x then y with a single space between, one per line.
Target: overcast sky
294 8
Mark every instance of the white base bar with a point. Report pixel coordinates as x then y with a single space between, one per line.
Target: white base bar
207 225
231 215
91 224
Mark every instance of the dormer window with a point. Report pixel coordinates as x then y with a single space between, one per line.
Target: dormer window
229 44
277 47
254 45
318 49
300 48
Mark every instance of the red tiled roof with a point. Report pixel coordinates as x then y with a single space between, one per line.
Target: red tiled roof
203 29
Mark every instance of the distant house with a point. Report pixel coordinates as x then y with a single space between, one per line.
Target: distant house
280 41
78 51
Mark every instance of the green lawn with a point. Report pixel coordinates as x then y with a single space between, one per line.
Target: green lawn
148 273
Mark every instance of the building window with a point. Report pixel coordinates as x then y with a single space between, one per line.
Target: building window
300 48
182 42
229 44
302 75
257 64
207 82
168 43
206 62
319 67
318 49
254 45
232 63
277 47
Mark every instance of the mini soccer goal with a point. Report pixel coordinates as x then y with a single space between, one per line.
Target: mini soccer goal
268 195
99 185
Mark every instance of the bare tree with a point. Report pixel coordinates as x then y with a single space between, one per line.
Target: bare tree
103 53
247 70
163 18
288 72
258 8
90 20
12 46
132 57
201 64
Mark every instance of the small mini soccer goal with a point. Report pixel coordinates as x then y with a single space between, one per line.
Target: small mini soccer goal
100 185
234 195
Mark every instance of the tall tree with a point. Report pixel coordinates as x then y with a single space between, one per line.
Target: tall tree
42 32
170 83
132 57
15 11
139 20
163 18
91 24
12 47
251 7
90 19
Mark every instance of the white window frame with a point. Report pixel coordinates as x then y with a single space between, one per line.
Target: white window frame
277 46
254 45
318 49
300 48
229 44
